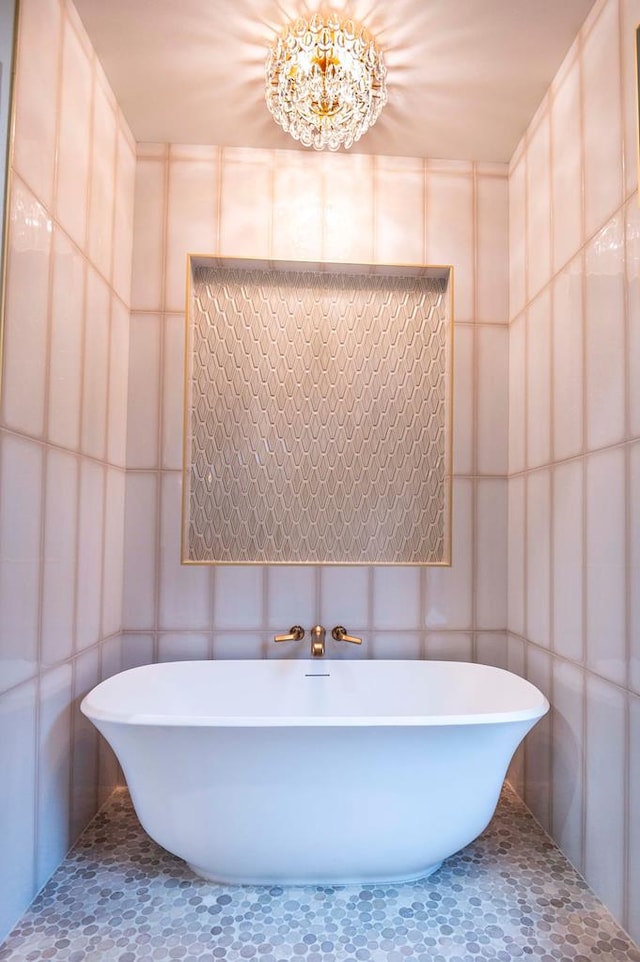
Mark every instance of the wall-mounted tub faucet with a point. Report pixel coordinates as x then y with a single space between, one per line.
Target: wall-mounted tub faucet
296 633
318 634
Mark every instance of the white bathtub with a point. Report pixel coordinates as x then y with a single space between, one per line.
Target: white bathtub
302 772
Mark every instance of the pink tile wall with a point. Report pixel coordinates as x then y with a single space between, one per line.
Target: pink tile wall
62 440
574 342
303 205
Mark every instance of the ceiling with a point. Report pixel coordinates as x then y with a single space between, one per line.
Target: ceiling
464 76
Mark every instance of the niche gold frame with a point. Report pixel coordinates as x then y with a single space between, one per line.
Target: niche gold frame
318 413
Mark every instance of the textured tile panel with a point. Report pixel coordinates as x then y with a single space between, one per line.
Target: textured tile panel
319 417
509 895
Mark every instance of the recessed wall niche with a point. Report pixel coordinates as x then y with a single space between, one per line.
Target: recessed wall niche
318 414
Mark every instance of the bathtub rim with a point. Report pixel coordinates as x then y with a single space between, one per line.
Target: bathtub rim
148 719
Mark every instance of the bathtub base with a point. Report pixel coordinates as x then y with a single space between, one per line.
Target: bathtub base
212 877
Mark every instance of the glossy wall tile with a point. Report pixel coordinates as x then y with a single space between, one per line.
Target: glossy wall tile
62 424
572 407
25 327
566 169
602 115
307 208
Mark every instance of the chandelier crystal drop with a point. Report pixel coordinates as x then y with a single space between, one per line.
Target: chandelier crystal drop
325 81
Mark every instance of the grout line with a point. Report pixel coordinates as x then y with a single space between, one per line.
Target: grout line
551 630
551 483
524 314
521 573
101 642
457 475
264 592
323 212
44 455
425 210
160 320
525 232
157 571
526 475
375 188
568 459
552 219
105 451
74 620
318 594
108 362
56 139
44 459
588 672
584 666
627 868
75 452
583 361
469 325
219 196
213 581
38 675
475 391
90 165
159 473
114 186
272 204
548 787
524 743
370 603
423 601
166 196
268 627
526 764
48 338
105 488
619 211
212 611
622 101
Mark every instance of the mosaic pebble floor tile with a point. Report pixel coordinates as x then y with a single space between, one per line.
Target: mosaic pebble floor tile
509 895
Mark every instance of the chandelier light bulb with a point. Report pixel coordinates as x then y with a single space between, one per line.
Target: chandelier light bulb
325 81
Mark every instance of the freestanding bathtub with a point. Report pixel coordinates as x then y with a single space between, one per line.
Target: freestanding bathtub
299 772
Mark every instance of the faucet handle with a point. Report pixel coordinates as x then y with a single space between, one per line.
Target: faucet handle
296 633
340 634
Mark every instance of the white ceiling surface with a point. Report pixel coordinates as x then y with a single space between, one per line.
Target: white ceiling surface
464 76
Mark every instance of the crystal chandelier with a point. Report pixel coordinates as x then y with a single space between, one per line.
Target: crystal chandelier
325 81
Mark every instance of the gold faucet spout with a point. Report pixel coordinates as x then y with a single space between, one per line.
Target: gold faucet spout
317 641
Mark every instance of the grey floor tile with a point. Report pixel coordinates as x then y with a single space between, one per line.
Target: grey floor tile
509 895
